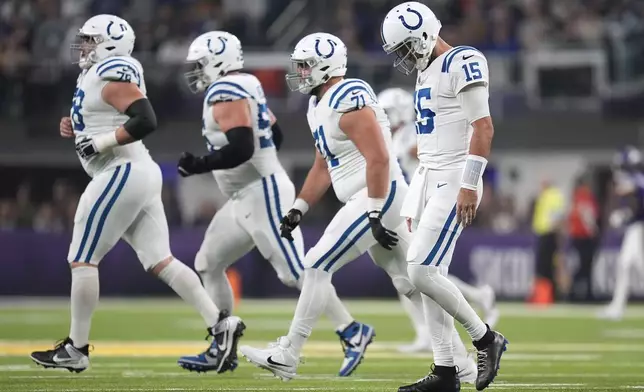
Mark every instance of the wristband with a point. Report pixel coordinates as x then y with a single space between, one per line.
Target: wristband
301 206
374 204
473 171
104 141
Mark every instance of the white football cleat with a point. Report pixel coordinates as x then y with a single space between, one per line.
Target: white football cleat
466 367
611 312
488 303
419 345
279 359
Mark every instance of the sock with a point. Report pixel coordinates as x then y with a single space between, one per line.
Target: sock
316 285
431 282
218 288
622 281
336 311
186 283
445 371
441 325
84 298
414 308
471 293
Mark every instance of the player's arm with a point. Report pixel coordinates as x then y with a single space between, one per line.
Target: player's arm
234 119
315 186
626 200
469 77
278 136
128 99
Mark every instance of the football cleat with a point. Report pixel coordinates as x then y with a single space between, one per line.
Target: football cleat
466 369
489 361
434 382
419 345
221 355
279 358
354 339
611 312
64 355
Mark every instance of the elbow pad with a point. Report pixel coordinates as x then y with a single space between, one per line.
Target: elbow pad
240 148
143 120
278 136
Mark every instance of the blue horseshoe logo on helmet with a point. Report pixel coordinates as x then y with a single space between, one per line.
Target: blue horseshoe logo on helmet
417 25
223 46
317 48
118 37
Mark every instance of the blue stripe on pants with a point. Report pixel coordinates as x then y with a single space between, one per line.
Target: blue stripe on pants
363 217
441 237
90 218
275 232
449 243
279 216
106 211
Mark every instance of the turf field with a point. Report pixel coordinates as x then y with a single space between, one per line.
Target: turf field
136 343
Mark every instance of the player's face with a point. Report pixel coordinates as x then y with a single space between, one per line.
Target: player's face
406 57
82 48
195 76
299 77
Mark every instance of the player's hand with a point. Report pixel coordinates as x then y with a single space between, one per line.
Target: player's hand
289 223
385 237
190 164
66 129
86 148
466 206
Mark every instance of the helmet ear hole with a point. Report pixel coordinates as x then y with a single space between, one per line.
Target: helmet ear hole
324 68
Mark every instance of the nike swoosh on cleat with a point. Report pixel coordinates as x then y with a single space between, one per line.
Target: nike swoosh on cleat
271 362
359 336
467 57
58 359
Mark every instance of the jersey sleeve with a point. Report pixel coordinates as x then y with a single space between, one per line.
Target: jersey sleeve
352 94
120 69
466 66
229 89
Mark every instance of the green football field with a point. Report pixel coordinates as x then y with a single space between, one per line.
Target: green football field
136 344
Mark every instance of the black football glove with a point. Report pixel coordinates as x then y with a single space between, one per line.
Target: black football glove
190 164
85 147
289 223
385 237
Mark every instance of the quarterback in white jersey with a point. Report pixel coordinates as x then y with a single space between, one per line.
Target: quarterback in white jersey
454 131
399 106
353 143
243 137
110 114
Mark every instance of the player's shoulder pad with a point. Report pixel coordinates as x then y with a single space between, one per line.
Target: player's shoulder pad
459 55
232 88
352 94
120 69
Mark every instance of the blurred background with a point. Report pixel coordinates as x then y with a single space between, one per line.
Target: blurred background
567 88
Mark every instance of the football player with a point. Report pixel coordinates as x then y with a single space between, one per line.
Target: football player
109 117
399 106
629 187
455 132
243 137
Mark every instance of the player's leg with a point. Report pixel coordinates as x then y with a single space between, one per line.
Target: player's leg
628 254
422 341
482 297
430 254
224 243
97 227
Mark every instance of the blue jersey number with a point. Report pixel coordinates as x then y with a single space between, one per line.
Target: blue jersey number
472 71
424 116
77 105
323 148
264 125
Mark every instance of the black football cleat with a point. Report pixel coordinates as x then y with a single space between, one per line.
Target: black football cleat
436 381
64 355
489 360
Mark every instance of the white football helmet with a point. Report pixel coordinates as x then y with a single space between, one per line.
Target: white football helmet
211 56
411 31
103 36
399 106
317 58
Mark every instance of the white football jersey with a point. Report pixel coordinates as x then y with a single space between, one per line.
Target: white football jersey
264 161
404 140
346 164
443 130
91 115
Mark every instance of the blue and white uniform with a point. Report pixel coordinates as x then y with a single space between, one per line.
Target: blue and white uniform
349 235
123 199
631 186
259 190
443 134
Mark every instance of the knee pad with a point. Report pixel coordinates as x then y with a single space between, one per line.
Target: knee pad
403 285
